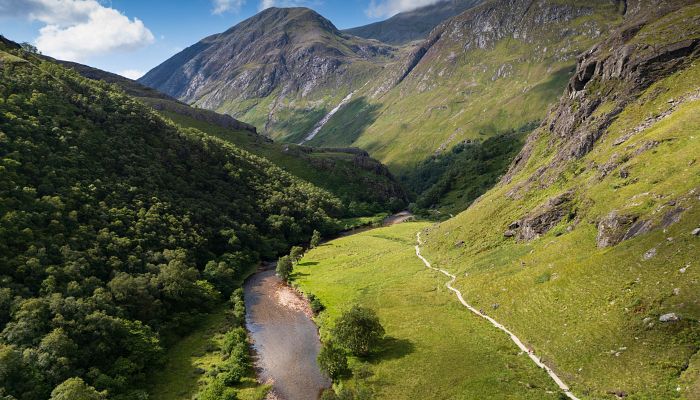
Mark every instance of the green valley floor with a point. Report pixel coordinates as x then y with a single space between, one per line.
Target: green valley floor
434 348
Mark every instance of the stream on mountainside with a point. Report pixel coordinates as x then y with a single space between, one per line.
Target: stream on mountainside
285 338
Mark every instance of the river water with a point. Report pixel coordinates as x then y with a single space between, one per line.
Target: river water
285 338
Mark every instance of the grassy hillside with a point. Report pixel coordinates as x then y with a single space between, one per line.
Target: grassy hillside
433 348
494 68
586 280
118 230
587 250
491 71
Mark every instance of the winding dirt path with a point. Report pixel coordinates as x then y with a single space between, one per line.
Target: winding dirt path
495 323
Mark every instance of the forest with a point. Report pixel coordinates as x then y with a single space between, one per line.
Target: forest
118 228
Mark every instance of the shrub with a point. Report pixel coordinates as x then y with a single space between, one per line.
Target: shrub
333 361
316 305
284 267
315 239
358 330
296 254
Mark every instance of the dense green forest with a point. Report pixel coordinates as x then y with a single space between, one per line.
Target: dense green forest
117 228
450 181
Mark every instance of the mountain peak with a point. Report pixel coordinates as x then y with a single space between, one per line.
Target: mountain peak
287 18
287 51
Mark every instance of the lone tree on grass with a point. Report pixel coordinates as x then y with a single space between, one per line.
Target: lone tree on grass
284 267
315 239
358 330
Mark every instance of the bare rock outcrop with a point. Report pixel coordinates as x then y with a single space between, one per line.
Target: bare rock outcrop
542 219
614 72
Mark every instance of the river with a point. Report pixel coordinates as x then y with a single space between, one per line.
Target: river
285 338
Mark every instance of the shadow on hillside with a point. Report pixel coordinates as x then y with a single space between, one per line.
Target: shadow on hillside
308 263
295 124
297 275
550 90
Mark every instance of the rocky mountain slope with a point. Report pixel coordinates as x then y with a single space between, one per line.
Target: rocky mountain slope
489 74
589 246
412 25
363 183
280 70
491 71
493 68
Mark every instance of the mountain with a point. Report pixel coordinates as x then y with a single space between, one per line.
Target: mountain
490 72
412 25
588 247
281 70
363 184
119 229
586 250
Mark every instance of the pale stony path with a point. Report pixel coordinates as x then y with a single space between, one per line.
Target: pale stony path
495 323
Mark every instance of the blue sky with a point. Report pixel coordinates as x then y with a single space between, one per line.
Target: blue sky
130 37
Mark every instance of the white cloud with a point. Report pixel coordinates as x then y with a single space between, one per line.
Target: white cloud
222 6
132 74
388 8
78 29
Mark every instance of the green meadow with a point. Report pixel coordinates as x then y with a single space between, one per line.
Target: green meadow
434 347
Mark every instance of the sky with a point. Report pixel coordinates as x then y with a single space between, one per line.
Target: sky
129 37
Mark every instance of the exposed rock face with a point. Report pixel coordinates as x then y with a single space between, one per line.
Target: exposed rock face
482 26
413 25
616 72
543 218
292 52
615 228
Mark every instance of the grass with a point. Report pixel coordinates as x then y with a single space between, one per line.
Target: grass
434 348
192 357
447 99
594 312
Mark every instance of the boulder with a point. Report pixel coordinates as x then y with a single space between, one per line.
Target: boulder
672 217
696 232
615 228
670 317
651 253
545 217
612 229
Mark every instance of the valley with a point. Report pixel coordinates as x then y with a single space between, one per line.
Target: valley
466 199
